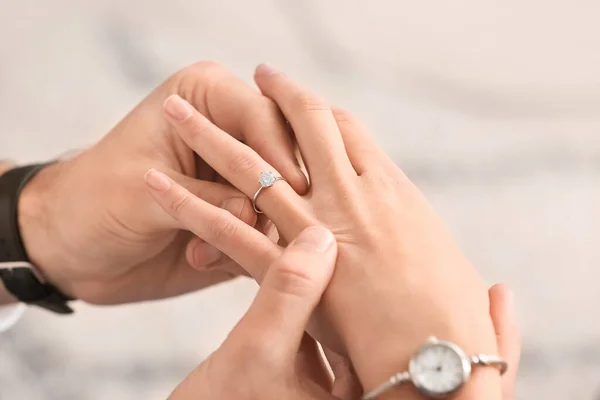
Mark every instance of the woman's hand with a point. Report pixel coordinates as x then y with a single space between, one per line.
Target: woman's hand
253 251
268 355
400 277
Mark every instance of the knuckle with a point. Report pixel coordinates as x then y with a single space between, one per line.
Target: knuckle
179 201
292 280
306 103
253 348
195 80
202 68
222 226
241 164
197 129
342 116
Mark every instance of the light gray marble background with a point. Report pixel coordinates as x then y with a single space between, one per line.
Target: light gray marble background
493 108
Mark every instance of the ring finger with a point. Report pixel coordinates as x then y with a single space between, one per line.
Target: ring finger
239 164
241 242
313 122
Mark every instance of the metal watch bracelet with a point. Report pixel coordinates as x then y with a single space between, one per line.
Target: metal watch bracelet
438 369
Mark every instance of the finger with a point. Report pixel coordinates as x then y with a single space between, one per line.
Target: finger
346 385
237 163
183 279
248 247
158 283
201 255
242 111
275 323
219 194
311 118
310 364
363 151
507 335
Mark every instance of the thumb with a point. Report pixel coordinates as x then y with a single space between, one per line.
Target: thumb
508 336
290 291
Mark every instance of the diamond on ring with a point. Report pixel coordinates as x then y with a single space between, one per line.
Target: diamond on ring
266 179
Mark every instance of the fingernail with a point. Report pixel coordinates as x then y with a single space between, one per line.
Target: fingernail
206 255
265 69
178 108
315 238
157 180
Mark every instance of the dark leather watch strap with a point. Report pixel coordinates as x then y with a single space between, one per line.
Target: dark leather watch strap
22 282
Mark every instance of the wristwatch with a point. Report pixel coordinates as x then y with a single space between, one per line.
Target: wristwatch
17 273
438 369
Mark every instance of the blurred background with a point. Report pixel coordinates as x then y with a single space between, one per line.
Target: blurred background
492 108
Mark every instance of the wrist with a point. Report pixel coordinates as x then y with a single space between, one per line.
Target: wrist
34 210
384 344
484 382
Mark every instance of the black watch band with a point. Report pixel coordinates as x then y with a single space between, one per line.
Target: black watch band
16 271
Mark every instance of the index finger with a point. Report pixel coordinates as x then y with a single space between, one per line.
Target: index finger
242 111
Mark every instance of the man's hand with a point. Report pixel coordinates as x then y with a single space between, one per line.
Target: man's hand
268 355
95 232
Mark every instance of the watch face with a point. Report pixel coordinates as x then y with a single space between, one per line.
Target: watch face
439 368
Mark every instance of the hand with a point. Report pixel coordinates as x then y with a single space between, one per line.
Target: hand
91 227
268 355
508 336
254 251
398 271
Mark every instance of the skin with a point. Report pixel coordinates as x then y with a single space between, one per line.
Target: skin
94 232
258 365
267 355
375 214
123 247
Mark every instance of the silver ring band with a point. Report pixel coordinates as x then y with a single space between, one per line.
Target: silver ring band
266 180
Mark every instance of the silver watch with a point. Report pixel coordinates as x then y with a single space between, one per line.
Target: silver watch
438 369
